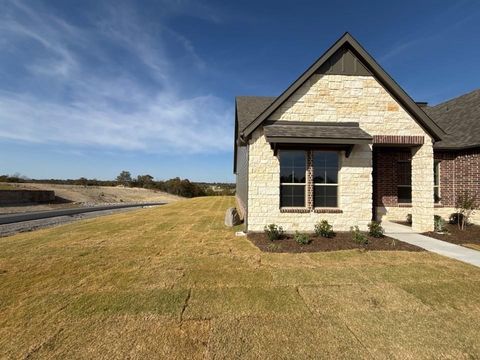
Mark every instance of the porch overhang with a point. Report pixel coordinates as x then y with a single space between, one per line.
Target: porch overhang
398 141
341 136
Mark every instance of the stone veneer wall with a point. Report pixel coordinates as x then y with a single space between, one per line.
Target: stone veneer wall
264 191
422 187
335 98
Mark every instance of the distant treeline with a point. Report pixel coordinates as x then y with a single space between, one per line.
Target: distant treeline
175 186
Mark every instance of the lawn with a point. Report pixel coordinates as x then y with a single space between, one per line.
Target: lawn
173 282
4 186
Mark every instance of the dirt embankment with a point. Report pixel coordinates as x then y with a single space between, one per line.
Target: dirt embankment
77 195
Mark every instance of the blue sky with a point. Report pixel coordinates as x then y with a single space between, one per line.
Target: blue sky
90 88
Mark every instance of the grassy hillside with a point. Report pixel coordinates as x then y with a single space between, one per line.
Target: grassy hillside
173 282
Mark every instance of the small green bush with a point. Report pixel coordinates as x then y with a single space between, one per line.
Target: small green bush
455 218
273 247
358 236
375 229
273 231
409 219
465 205
324 229
438 223
302 239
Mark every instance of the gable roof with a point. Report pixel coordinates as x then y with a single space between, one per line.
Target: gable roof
460 118
347 40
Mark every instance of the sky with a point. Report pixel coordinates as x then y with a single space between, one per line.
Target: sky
91 88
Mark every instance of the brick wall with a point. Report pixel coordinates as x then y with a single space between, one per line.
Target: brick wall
459 172
386 175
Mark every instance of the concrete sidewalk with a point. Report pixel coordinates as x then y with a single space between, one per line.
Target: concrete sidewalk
405 234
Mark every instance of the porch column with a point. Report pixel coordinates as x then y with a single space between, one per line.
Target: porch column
422 187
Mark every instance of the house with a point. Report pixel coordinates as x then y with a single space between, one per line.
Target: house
344 142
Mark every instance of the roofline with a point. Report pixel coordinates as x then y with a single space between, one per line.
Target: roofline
406 101
318 140
456 148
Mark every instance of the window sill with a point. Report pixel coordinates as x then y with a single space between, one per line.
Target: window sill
294 210
328 211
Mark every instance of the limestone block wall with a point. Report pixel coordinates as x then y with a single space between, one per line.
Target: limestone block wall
400 213
264 191
342 98
445 213
393 213
337 98
422 188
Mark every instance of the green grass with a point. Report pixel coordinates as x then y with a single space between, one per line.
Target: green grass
4 186
173 282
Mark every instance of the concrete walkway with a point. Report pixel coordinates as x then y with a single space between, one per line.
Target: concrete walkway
405 234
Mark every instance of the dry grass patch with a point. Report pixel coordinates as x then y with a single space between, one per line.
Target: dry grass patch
173 282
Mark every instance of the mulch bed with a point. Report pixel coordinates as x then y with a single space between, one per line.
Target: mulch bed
471 234
341 241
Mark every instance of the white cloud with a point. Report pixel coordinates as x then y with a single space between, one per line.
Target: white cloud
82 106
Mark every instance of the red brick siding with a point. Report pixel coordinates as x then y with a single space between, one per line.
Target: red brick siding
398 139
459 172
386 176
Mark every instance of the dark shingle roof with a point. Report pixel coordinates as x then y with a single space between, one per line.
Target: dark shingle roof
249 107
311 132
460 118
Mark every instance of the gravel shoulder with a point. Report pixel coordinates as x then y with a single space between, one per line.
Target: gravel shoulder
26 226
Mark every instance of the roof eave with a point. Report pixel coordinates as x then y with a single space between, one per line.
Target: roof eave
316 140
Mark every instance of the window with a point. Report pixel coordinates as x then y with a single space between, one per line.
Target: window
404 184
325 179
436 181
293 167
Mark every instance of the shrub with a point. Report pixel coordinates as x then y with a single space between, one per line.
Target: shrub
465 206
358 236
409 219
302 239
274 232
375 229
438 223
273 247
324 229
455 218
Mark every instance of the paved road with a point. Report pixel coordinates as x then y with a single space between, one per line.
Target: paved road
20 217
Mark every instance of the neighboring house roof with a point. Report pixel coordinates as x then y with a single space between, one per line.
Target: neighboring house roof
460 118
249 107
314 132
371 65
